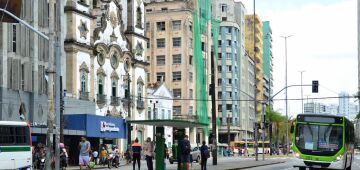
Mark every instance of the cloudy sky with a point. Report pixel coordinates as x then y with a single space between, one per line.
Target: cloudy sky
324 44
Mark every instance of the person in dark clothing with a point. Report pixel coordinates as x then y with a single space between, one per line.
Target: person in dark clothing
136 150
204 151
185 152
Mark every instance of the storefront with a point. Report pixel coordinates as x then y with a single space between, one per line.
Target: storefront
99 130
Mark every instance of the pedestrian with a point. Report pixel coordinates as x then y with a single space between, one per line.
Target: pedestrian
63 156
84 157
95 155
205 154
149 153
128 155
185 150
136 150
103 156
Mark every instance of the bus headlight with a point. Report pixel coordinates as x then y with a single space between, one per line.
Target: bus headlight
297 155
339 158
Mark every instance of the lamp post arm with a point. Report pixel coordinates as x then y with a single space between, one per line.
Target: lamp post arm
272 97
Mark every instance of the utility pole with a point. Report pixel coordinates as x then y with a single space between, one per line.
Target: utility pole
263 131
255 102
213 107
286 96
58 86
129 108
50 71
228 128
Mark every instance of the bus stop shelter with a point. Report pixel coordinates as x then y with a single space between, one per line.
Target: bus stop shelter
160 140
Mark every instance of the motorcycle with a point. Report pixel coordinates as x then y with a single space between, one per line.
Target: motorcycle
113 160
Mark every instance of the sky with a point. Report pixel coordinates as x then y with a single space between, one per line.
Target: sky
324 45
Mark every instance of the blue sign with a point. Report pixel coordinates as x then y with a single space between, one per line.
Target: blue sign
97 126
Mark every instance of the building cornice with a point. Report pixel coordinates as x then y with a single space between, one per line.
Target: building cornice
131 32
75 44
73 9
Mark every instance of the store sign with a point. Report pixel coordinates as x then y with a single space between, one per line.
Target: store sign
110 127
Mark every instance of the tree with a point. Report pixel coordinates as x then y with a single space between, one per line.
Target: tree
357 116
277 122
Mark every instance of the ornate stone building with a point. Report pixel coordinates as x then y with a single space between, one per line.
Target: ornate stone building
104 45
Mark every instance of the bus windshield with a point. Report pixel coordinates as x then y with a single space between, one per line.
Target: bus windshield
319 139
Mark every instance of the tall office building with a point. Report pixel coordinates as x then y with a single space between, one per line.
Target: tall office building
315 108
179 46
231 54
256 54
344 107
267 60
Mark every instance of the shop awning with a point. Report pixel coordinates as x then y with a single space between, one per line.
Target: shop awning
169 122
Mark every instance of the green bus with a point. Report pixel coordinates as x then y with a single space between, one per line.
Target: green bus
323 141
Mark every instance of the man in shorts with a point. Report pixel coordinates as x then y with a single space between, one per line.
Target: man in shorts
84 157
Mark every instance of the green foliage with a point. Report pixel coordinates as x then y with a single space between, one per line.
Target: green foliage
357 116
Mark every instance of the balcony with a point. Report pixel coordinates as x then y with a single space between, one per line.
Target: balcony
101 99
140 104
185 117
83 95
115 101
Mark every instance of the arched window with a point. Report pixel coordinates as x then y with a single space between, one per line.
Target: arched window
83 82
138 17
113 88
140 91
101 85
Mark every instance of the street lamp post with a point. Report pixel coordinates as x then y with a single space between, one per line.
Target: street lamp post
302 98
286 95
154 116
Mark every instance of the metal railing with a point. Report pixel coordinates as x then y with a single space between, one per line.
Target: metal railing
83 95
115 101
100 98
140 104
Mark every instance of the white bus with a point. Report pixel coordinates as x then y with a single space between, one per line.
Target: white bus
15 145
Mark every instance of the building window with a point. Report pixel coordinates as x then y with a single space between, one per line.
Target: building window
160 43
177 76
190 76
149 113
229 81
228 42
191 108
177 93
219 95
176 25
113 88
190 59
176 110
219 42
101 85
191 92
160 60
228 94
229 107
147 44
229 30
224 18
203 48
14 38
148 10
223 7
191 43
219 108
220 55
160 76
147 27
219 69
160 26
148 77
177 59
219 82
228 56
229 68
164 9
177 42
139 17
140 91
83 82
190 27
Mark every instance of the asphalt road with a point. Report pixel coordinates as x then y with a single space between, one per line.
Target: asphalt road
288 165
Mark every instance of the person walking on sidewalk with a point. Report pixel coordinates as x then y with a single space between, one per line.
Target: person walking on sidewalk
149 153
136 150
204 151
185 150
84 157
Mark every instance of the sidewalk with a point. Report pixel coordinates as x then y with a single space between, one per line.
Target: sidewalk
227 163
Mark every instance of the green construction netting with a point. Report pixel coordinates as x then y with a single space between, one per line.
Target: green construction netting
205 14
215 29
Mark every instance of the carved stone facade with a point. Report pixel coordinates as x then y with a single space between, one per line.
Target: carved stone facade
102 55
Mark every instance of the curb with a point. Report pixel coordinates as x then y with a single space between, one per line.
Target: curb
253 166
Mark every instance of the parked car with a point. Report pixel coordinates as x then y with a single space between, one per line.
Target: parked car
194 154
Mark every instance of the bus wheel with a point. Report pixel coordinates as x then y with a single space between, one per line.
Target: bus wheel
302 168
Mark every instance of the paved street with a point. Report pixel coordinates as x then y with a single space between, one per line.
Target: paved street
288 165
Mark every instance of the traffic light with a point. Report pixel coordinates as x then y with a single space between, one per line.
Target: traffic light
315 86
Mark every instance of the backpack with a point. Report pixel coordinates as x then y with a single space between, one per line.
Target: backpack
186 149
206 152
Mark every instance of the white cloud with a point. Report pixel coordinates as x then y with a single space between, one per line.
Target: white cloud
324 44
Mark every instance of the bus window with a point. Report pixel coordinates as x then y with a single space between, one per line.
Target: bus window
11 135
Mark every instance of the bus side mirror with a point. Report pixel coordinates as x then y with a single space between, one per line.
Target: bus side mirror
292 129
